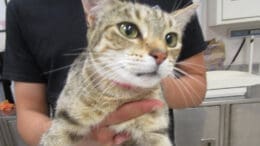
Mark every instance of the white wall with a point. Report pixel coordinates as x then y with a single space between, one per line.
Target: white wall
222 33
2 18
2 41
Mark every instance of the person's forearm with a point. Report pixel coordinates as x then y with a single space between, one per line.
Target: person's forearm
36 125
32 111
32 127
187 91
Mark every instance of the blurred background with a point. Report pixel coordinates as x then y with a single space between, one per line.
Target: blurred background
230 114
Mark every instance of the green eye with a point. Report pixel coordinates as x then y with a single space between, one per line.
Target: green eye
129 30
171 39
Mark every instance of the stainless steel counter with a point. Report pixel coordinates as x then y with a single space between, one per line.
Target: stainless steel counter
252 95
221 121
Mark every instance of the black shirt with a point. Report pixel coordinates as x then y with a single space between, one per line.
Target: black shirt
41 35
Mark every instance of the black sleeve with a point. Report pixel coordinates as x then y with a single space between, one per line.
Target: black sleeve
19 64
193 41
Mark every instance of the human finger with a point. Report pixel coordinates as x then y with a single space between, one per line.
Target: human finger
106 137
121 138
132 110
103 135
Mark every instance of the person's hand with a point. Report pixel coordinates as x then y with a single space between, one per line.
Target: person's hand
103 136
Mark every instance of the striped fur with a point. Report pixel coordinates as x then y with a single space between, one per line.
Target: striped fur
116 69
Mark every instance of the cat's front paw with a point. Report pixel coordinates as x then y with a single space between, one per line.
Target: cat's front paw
154 139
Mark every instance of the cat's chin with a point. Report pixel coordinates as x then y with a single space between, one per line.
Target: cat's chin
127 80
144 81
135 85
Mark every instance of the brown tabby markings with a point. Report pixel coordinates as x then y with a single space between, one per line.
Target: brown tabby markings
63 114
74 136
170 23
138 15
92 91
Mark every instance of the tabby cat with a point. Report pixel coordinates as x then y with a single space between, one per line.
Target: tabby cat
131 48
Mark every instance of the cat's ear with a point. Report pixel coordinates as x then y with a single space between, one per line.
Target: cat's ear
184 15
89 6
93 7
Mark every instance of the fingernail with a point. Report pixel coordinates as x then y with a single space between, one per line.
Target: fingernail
120 140
158 106
155 108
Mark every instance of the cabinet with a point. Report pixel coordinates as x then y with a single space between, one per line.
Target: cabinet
197 126
8 133
244 124
1 136
222 12
228 123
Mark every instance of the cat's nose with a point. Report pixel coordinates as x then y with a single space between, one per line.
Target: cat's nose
158 55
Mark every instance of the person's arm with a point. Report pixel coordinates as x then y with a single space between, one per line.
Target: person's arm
188 90
32 119
32 114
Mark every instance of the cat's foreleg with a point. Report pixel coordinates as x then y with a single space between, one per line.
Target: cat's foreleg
150 139
154 139
68 129
62 134
148 130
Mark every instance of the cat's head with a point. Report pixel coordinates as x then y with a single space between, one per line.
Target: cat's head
134 44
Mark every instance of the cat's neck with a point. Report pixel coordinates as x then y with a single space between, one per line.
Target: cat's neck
113 89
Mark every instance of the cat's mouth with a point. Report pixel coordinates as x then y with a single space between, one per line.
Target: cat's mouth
154 73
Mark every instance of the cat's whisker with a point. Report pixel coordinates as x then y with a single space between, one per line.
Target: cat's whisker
101 79
178 5
81 52
193 90
187 92
187 4
88 83
189 89
64 67
110 85
173 82
105 91
79 49
80 90
116 65
189 64
59 69
95 107
189 76
175 5
201 86
72 54
68 66
87 80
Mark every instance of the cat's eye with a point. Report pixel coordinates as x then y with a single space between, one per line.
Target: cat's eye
171 39
129 30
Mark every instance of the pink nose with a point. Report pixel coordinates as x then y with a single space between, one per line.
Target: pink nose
158 55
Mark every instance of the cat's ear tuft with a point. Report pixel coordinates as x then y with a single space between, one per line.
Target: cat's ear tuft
89 6
92 8
184 15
